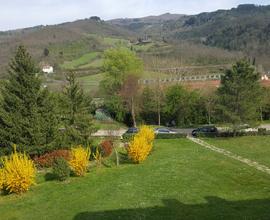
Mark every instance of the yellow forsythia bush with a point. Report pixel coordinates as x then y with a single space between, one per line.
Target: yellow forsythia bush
147 133
18 173
79 160
1 179
141 145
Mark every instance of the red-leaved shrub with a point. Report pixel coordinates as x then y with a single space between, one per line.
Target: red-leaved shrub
48 159
106 148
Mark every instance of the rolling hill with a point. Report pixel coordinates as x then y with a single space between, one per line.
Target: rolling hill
245 28
64 41
219 37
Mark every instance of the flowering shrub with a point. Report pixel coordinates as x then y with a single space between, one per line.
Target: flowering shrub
139 149
141 145
48 159
98 157
18 173
79 160
106 148
2 178
147 133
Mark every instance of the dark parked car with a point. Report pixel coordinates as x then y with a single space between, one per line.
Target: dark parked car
132 131
205 130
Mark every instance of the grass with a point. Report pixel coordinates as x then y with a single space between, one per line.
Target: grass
91 83
83 60
253 148
109 125
180 180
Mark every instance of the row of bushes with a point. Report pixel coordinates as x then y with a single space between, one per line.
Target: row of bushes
46 160
260 132
18 171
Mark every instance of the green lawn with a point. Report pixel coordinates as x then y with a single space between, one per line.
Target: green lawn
253 148
179 180
109 125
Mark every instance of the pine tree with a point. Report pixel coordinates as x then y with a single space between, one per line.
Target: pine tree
77 118
239 95
21 112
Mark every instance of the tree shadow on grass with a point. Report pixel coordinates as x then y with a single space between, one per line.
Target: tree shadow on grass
111 161
49 177
214 209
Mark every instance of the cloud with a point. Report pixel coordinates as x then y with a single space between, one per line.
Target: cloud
22 13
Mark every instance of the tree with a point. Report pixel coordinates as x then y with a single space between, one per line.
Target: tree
148 105
210 99
152 103
23 112
46 52
120 65
184 107
76 110
265 104
128 92
176 104
239 95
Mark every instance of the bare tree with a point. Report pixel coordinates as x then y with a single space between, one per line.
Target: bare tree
129 92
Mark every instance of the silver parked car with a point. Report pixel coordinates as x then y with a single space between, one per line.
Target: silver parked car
164 131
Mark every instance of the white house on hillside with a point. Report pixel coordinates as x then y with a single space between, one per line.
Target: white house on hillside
265 77
47 69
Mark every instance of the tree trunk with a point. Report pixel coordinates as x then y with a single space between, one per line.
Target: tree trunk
117 157
261 113
158 112
209 118
133 113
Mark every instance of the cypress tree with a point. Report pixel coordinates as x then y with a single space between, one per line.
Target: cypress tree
239 95
76 110
21 110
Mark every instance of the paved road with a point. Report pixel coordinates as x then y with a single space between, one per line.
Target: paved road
120 132
267 126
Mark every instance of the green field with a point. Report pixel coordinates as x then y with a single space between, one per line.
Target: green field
86 59
180 180
253 148
91 83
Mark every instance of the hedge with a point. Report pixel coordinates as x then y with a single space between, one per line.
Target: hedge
128 137
260 132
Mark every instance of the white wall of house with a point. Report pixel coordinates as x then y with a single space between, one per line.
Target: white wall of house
47 69
265 77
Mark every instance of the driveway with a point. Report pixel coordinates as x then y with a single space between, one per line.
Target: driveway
109 133
267 126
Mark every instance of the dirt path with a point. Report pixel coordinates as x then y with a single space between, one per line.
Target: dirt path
251 163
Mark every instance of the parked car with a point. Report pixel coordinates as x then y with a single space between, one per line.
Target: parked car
164 131
205 130
132 130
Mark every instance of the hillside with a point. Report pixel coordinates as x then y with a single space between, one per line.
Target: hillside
149 24
65 41
206 39
245 28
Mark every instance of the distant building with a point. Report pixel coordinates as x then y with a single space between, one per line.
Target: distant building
47 69
265 77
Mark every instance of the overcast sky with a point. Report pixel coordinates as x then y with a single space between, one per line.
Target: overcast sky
27 13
